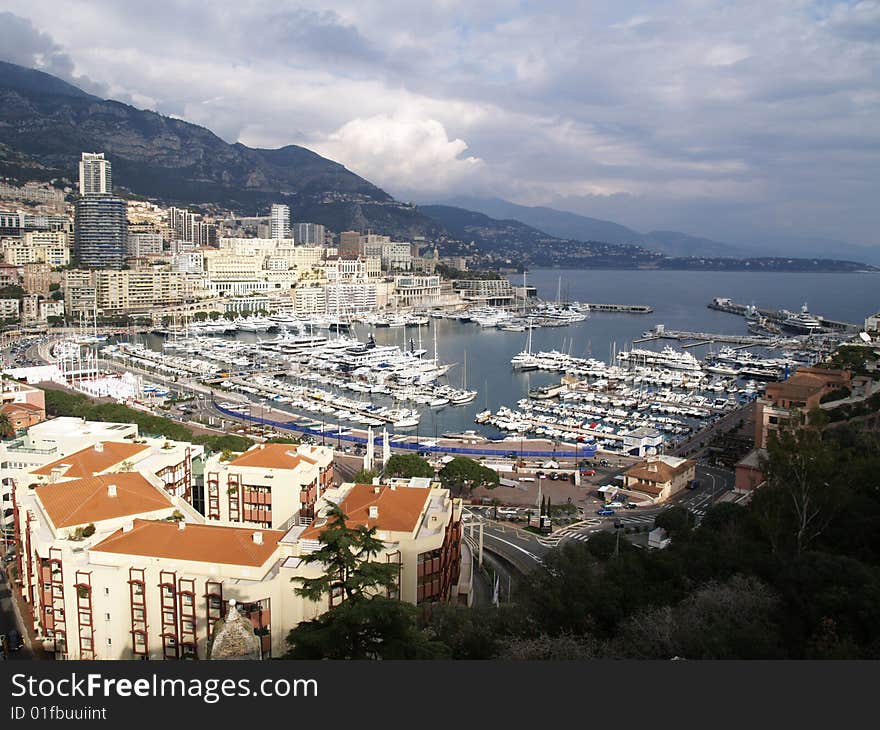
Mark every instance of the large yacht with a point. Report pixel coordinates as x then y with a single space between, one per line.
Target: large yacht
802 322
666 358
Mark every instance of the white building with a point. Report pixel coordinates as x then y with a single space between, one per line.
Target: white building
115 565
279 222
95 175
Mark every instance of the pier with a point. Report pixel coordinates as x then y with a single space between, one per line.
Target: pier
624 308
706 338
722 304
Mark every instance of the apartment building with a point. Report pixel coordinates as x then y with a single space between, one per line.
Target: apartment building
37 278
801 392
268 485
10 308
127 290
418 291
116 566
37 247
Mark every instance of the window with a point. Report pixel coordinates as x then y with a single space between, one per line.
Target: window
106 616
106 591
109 642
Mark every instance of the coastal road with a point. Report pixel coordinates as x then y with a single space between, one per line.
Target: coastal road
697 441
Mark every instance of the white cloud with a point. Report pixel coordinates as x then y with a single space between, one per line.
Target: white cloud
406 153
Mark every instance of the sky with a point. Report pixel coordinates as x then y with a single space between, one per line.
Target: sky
733 120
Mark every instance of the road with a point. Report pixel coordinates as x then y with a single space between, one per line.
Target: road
700 439
7 617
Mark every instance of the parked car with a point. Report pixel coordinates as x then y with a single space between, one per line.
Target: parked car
631 505
615 503
588 472
13 640
693 484
554 477
605 512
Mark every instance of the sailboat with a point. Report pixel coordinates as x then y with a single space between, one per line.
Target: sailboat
460 397
525 360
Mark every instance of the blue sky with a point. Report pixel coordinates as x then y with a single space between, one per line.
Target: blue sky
734 120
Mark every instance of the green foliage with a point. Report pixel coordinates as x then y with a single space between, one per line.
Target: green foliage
677 521
364 476
226 442
366 624
346 556
375 628
12 291
88 530
463 474
408 465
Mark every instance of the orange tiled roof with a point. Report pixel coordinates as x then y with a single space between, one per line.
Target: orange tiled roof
271 456
88 461
10 406
663 472
198 543
399 509
81 501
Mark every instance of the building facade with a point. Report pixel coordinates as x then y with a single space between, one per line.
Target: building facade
100 232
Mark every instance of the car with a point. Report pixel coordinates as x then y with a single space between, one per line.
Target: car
9 558
605 462
540 474
605 512
631 505
693 484
554 477
616 503
13 640
588 472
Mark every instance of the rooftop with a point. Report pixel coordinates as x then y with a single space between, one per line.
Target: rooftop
398 510
658 469
272 456
93 459
81 501
197 543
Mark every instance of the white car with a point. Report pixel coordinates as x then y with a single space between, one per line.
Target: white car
614 504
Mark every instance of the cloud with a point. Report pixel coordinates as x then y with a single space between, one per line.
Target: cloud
408 154
713 117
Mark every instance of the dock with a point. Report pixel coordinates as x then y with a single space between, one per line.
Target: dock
722 304
623 308
706 338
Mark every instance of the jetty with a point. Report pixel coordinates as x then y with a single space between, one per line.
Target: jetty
706 338
623 308
723 304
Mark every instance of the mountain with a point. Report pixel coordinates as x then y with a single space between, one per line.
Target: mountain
45 123
564 224
511 243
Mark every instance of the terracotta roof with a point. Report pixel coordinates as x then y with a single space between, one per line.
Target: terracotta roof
657 470
21 407
271 456
399 508
88 461
81 501
198 543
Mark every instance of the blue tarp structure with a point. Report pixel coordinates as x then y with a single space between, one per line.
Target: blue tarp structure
583 451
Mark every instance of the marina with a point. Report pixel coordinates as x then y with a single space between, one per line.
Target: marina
483 373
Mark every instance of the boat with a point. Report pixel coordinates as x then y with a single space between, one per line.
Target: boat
803 321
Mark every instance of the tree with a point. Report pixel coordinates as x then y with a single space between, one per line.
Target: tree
408 465
804 490
366 625
377 628
677 521
463 474
6 428
347 555
364 476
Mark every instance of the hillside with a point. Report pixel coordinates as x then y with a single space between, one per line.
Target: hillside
46 122
507 243
563 224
